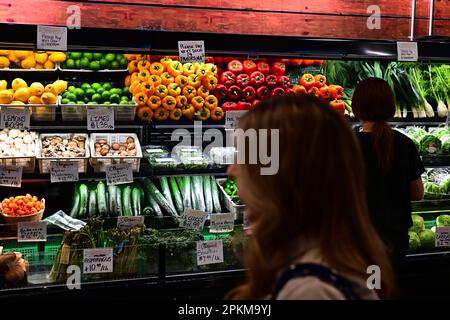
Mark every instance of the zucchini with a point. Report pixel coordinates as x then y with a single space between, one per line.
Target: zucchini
176 195
83 201
119 211
112 199
136 201
180 183
154 205
75 204
197 182
126 201
101 199
166 191
107 203
92 204
208 194
215 196
187 203
156 194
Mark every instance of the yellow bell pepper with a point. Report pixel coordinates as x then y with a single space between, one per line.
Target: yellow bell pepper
169 102
174 89
203 114
167 79
161 91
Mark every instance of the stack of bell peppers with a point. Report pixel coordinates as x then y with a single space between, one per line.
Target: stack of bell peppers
245 83
164 88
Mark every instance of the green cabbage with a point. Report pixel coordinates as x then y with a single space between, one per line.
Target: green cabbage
430 144
426 238
414 241
418 224
440 132
445 185
445 140
415 132
443 220
433 191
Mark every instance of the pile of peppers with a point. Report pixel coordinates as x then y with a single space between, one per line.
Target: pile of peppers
231 189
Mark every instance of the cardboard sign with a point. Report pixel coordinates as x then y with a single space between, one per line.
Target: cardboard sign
126 223
209 252
51 38
191 51
10 176
15 118
221 222
193 219
407 51
232 118
98 260
442 238
31 231
119 174
100 119
63 171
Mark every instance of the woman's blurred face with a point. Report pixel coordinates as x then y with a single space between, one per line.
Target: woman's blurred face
234 171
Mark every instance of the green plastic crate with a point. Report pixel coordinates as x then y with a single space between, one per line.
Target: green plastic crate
30 251
51 249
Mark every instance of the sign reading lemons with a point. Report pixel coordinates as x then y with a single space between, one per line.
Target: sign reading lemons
52 38
15 118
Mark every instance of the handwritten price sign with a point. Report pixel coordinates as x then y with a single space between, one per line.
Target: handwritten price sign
193 219
98 260
221 222
209 252
63 171
32 231
442 237
11 176
126 223
191 51
52 38
15 118
232 118
119 174
100 119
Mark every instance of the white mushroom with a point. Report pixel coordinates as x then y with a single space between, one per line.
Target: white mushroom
27 139
9 140
18 142
13 133
21 134
3 136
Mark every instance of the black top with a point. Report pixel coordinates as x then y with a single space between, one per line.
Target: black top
389 197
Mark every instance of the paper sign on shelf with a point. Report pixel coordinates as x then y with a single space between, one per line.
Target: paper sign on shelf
126 223
442 238
10 176
191 51
221 222
31 231
15 118
51 38
407 51
100 119
232 118
98 260
209 252
119 174
193 219
63 171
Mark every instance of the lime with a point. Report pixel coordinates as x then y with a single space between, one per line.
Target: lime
126 91
107 86
71 97
116 91
79 93
110 57
92 102
86 99
115 98
104 64
64 65
85 86
123 63
64 95
70 64
80 102
124 98
65 101
106 102
84 63
88 55
106 95
94 65
96 86
115 65
89 93
100 91
75 55
97 56
78 64
71 89
97 98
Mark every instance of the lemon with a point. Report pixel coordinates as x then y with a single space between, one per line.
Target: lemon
48 98
34 100
6 96
3 84
22 94
52 89
49 65
41 57
18 83
60 86
21 54
36 89
4 62
28 63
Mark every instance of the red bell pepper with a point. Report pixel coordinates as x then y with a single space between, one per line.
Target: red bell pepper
227 60
243 105
220 92
257 79
249 93
255 102
278 69
314 91
243 80
263 93
299 89
271 81
209 59
289 91
307 80
337 92
283 82
263 67
218 61
234 92
320 80
325 92
236 67
249 66
338 105
277 92
228 78
227 106
293 62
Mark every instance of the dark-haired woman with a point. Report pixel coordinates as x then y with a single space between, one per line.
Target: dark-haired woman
393 166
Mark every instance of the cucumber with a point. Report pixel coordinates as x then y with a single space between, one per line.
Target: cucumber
75 204
112 201
83 201
176 195
92 204
101 199
156 194
166 191
180 183
195 205
107 203
154 205
198 192
215 196
119 211
136 201
187 203
208 194
126 202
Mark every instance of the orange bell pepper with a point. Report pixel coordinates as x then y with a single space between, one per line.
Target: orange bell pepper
145 113
188 111
141 56
161 114
144 65
137 87
161 91
169 102
217 113
154 102
166 62
141 99
156 68
166 79
143 75
202 92
203 114
133 66
174 89
127 81
134 77
194 81
210 82
212 67
211 102
175 68
148 88
156 80
198 102
203 72
181 101
188 69
189 92
182 81
176 114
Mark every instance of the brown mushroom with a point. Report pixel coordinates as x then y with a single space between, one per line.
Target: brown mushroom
132 152
115 146
131 146
122 148
130 140
98 145
102 141
123 153
104 152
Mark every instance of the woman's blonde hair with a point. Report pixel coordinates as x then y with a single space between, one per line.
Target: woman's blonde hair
317 195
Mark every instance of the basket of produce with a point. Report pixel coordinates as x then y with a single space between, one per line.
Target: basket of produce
22 209
23 61
93 61
114 148
63 147
18 148
229 196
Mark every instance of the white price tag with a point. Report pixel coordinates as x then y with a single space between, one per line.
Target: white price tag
191 51
63 171
232 118
15 118
119 174
193 219
31 231
100 119
442 238
407 51
209 252
51 38
221 222
98 260
65 254
126 223
11 176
